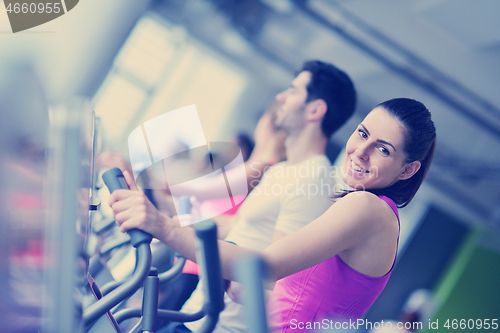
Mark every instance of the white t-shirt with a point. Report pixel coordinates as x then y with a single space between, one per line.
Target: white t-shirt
286 199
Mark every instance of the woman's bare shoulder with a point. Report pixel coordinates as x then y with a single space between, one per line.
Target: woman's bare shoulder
368 207
362 199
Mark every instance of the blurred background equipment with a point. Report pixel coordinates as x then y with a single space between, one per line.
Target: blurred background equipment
69 195
24 261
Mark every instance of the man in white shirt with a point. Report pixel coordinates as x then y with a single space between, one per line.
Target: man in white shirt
294 192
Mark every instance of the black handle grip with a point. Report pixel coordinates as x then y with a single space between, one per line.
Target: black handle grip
114 180
208 255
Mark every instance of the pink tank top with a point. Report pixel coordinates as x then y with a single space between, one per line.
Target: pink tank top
330 290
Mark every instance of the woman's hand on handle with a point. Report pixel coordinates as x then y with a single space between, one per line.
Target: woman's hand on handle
133 210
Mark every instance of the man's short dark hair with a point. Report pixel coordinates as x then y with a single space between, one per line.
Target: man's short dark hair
337 90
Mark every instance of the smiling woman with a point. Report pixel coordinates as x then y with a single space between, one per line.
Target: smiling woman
373 162
336 266
385 155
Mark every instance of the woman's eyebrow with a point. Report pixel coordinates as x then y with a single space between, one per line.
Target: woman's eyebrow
387 143
378 140
367 132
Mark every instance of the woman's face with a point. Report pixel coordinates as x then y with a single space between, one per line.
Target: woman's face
374 153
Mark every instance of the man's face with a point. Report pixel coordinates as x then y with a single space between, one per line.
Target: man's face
292 103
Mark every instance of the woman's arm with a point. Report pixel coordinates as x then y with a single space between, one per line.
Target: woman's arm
359 223
355 220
